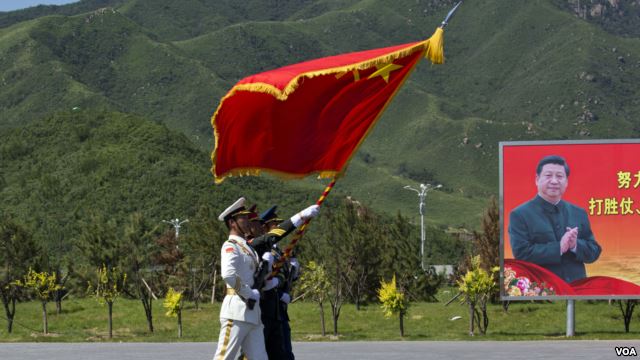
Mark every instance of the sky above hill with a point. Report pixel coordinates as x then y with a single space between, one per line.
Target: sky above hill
9 5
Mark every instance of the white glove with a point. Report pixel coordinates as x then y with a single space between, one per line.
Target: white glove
268 256
285 298
255 294
306 214
310 212
270 284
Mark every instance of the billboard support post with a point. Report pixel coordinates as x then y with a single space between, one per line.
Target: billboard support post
571 318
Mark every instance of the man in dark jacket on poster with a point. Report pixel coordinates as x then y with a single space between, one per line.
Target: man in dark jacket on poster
551 232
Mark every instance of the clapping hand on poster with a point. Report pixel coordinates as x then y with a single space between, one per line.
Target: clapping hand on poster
569 240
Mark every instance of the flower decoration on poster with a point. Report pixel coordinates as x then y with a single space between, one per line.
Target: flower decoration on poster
515 285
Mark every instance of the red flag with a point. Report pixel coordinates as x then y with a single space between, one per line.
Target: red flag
310 117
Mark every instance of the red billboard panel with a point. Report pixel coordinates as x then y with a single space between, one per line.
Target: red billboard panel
570 219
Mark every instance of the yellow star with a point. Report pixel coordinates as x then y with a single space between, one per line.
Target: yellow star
384 71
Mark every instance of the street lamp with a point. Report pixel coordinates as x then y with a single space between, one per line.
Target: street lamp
176 224
422 194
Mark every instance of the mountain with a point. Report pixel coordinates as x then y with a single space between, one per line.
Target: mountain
515 70
617 17
57 172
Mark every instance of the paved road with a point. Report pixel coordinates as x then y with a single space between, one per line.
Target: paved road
408 350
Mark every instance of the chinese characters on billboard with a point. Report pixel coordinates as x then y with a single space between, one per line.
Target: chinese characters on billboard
570 219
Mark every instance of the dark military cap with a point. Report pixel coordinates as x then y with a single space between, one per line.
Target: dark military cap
270 215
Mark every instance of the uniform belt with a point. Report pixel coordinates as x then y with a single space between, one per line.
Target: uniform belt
231 291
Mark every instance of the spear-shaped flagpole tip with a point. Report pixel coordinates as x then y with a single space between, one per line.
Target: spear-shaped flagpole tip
434 47
445 22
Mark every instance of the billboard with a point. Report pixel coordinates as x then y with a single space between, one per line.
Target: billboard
576 237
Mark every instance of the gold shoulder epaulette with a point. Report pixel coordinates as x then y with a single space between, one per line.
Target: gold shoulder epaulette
277 232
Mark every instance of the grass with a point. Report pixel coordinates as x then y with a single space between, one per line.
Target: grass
84 320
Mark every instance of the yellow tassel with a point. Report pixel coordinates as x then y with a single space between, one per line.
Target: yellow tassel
327 174
435 47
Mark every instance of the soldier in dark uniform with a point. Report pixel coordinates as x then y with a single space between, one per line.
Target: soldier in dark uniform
269 299
288 273
292 271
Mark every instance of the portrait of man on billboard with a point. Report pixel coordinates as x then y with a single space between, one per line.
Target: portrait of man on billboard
551 232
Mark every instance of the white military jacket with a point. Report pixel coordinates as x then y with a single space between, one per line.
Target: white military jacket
238 263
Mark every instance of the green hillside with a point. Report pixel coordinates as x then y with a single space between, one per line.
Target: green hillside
102 60
13 17
58 172
516 70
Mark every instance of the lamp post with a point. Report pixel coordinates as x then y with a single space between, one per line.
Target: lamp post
176 224
422 194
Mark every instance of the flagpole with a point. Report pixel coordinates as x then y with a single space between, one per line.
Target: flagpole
300 232
327 190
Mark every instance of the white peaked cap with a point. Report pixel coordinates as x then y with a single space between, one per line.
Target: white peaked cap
237 207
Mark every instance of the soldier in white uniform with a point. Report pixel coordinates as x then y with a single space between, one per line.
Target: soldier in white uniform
241 326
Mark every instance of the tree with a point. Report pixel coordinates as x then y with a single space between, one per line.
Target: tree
393 301
173 304
425 284
314 283
401 256
99 244
17 254
138 244
487 243
61 293
107 288
201 246
54 249
627 311
336 275
168 256
360 234
43 285
477 286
